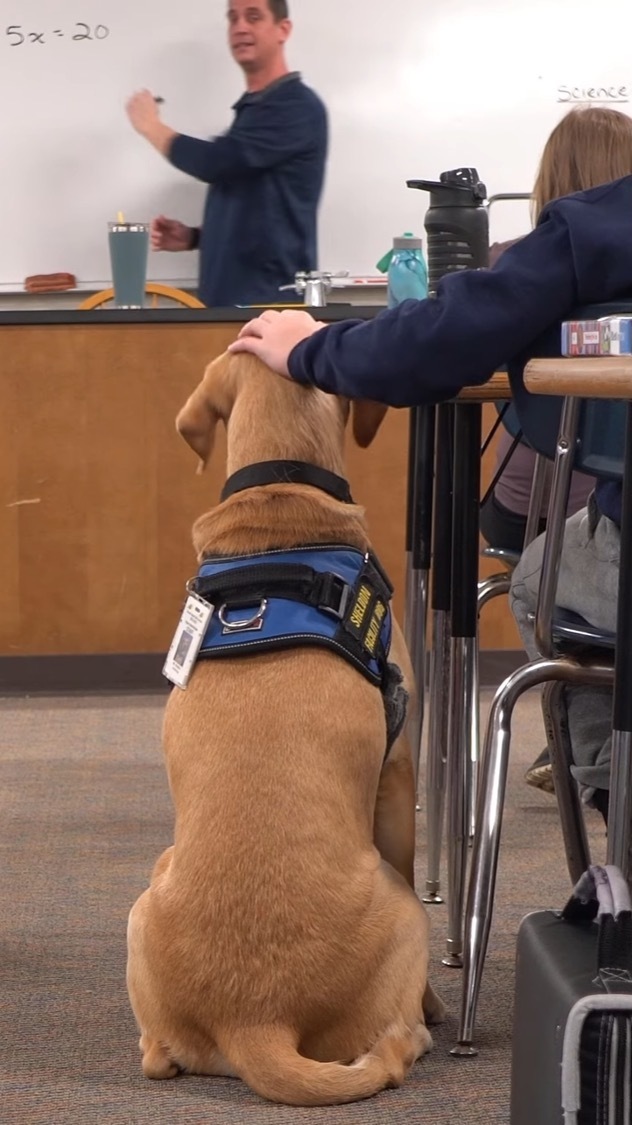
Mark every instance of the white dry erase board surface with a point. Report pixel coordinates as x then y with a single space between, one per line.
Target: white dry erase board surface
412 88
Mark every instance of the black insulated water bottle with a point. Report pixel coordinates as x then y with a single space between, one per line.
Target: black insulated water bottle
456 223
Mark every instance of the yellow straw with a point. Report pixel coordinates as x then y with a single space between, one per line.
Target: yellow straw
120 217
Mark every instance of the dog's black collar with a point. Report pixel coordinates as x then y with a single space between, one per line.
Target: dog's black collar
287 472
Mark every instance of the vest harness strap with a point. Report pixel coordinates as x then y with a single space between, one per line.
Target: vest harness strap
332 596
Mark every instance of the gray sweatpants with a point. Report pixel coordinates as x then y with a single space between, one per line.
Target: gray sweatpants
588 584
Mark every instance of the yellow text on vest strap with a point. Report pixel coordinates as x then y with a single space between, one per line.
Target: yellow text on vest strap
360 607
375 626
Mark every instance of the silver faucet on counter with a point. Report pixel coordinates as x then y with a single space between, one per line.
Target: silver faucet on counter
314 286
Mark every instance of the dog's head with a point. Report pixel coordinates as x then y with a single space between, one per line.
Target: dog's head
270 418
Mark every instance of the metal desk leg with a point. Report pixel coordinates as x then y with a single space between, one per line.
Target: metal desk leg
474 740
418 536
410 606
439 694
464 657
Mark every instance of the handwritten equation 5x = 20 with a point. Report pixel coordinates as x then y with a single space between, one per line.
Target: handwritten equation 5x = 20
18 36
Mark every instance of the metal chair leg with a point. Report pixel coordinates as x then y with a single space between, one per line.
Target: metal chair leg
488 588
566 792
620 815
484 863
492 586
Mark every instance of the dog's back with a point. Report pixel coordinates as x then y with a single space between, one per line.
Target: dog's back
274 763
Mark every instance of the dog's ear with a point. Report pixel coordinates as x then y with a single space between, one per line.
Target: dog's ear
211 401
367 419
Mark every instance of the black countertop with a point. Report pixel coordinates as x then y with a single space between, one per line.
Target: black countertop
329 314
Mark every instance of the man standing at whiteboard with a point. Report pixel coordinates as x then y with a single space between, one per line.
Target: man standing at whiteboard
265 173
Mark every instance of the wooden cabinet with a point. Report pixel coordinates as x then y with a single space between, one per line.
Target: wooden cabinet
98 492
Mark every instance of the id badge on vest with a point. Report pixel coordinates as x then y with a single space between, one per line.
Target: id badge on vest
187 639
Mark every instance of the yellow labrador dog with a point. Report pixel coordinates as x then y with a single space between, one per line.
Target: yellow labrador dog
280 940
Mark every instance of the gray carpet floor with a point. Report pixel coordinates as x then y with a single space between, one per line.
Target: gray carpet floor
84 812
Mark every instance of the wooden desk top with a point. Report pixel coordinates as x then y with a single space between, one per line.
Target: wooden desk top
495 388
605 376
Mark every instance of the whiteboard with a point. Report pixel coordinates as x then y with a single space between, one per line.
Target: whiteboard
412 89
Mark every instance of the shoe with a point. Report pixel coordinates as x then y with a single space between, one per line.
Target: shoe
540 774
600 800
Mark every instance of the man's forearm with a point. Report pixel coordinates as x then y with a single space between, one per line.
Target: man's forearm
160 136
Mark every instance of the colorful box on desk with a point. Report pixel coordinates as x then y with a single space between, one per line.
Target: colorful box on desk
616 335
612 335
580 337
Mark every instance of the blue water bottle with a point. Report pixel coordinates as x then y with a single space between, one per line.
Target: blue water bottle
407 271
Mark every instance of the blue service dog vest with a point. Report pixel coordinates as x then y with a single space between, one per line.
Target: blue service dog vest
335 597
332 596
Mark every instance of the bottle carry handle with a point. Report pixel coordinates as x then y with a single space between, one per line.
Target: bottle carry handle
603 893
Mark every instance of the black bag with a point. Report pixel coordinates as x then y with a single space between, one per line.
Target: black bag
572 1037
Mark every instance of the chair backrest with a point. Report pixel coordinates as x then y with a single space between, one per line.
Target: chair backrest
586 434
152 288
599 445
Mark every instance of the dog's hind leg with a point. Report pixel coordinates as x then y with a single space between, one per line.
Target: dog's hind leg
168 1045
211 1061
394 837
394 823
157 1062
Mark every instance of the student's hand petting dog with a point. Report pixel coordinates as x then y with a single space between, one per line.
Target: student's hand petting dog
272 336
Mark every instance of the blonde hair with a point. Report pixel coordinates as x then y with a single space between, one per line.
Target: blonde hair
588 147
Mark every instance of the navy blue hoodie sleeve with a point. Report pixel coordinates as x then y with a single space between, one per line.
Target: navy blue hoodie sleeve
262 136
426 351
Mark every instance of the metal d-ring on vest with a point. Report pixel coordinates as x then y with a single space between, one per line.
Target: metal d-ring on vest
249 624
